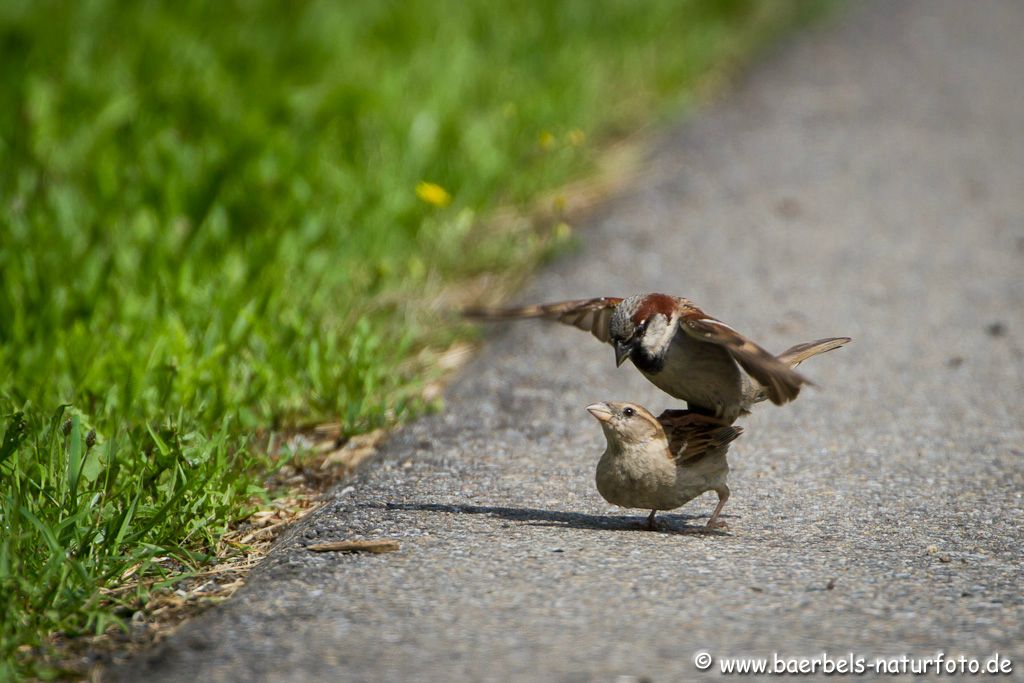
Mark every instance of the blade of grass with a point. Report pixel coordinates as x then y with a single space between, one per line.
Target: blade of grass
74 460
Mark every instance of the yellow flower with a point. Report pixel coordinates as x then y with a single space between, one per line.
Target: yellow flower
546 139
432 193
577 137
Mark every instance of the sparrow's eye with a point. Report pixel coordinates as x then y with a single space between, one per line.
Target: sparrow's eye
628 412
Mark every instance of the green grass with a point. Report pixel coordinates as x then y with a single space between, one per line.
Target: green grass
209 226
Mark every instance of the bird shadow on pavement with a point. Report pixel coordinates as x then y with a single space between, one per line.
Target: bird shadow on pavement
667 524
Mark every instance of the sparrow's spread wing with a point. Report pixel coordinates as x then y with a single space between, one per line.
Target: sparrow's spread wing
781 383
589 315
691 435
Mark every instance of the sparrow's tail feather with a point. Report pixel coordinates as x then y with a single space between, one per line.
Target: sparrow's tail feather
796 355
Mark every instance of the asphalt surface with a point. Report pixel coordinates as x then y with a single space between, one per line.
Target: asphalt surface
866 179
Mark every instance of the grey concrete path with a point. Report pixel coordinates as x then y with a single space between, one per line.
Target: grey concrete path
867 180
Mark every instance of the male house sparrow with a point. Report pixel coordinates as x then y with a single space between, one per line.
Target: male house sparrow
682 350
663 463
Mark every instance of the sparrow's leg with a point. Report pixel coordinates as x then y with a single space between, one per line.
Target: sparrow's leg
723 495
651 524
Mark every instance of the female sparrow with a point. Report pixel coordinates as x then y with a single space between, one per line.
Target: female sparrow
661 463
682 350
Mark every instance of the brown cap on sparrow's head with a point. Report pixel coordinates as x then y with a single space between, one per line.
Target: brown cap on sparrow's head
642 328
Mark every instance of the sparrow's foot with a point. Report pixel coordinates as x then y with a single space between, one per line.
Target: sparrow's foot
714 522
652 524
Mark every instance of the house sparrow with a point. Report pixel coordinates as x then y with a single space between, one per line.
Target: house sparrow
682 350
661 463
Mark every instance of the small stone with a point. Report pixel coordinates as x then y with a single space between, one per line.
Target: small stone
788 208
996 329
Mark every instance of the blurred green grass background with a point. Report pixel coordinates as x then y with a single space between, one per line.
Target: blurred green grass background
209 225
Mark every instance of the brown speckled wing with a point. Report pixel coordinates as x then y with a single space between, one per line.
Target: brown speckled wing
781 382
690 436
589 315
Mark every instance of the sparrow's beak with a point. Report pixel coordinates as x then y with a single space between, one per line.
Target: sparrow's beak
622 351
601 411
